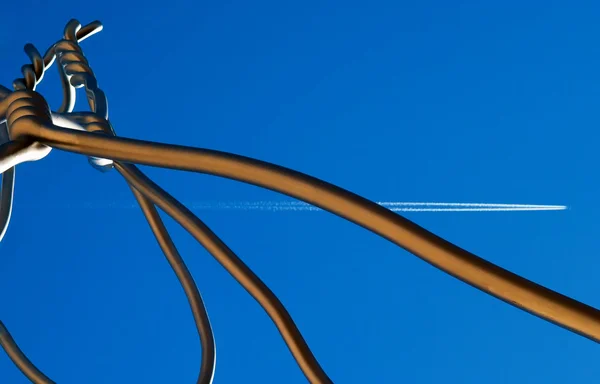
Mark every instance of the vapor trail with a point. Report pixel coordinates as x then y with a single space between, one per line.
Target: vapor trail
391 203
395 206
275 206
483 209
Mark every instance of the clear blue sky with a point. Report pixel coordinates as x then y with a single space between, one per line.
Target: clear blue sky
463 102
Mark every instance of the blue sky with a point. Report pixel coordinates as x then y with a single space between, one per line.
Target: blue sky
437 101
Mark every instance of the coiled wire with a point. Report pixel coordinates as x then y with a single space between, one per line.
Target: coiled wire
33 74
24 103
479 273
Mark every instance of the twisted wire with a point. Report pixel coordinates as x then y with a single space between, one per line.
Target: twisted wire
30 108
29 120
76 70
74 33
8 181
82 34
32 75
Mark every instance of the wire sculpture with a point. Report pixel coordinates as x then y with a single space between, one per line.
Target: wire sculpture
29 130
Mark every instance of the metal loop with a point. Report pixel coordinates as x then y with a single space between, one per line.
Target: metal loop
7 188
71 29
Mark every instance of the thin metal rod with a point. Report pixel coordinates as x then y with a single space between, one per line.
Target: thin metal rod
234 265
10 152
207 340
471 269
6 200
7 187
207 365
20 360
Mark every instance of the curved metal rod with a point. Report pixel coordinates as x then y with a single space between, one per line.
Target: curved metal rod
234 265
471 269
207 340
20 360
187 282
11 152
207 366
7 186
6 200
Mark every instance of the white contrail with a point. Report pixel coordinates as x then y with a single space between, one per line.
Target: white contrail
396 206
483 209
392 203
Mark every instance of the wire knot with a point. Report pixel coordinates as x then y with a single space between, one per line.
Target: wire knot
26 104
